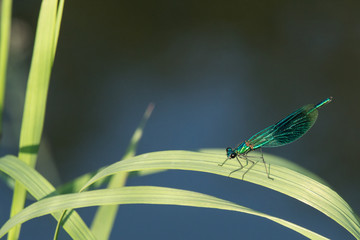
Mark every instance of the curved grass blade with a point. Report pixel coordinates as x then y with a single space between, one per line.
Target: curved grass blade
279 161
287 181
105 216
76 184
139 195
40 188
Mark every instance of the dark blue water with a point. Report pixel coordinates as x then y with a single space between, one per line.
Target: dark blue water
218 73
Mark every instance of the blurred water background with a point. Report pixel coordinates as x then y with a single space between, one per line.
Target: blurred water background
218 72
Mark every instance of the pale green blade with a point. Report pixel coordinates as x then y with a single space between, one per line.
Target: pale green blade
5 26
289 182
139 195
36 94
76 184
279 161
39 188
105 215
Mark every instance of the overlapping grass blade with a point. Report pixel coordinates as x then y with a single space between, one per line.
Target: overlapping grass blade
139 195
76 184
36 94
105 215
40 188
287 181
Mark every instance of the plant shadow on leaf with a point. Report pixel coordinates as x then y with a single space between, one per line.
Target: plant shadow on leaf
32 149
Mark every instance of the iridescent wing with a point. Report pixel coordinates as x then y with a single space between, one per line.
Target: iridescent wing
287 130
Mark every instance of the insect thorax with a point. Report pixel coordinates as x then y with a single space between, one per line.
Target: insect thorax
243 148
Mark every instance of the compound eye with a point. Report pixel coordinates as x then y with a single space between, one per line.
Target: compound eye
233 155
228 149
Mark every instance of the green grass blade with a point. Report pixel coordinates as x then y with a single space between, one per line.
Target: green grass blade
278 161
57 26
40 188
36 95
140 195
105 216
287 181
37 88
76 184
5 25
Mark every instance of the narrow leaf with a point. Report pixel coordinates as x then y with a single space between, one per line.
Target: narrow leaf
40 188
287 181
139 195
5 21
105 216
36 96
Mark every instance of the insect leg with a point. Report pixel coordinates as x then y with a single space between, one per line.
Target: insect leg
267 172
221 164
241 166
253 163
247 161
